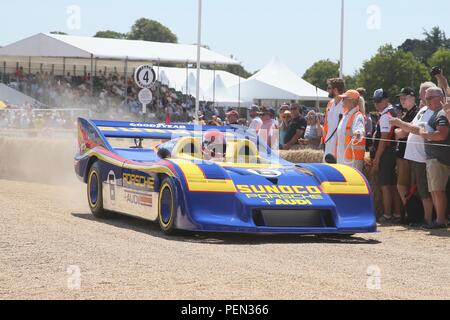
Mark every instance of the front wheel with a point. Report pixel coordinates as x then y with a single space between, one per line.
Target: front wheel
167 206
94 192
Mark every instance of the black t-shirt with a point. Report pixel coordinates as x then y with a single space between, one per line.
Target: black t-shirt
295 124
441 151
401 146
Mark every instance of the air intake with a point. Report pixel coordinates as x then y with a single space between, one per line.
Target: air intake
293 218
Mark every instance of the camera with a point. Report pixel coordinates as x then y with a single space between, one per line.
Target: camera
435 71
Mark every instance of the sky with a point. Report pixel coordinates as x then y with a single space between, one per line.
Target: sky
299 32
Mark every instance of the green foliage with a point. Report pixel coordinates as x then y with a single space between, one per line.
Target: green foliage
391 69
351 82
320 72
441 58
151 30
110 35
424 49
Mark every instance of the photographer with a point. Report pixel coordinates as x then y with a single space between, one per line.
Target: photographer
438 73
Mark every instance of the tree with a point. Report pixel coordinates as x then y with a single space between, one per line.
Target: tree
320 72
441 58
351 82
110 35
392 69
59 32
424 49
151 30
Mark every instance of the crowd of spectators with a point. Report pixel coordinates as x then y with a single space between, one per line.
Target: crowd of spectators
408 144
108 96
406 147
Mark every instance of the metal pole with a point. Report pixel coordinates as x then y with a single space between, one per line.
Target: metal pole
64 67
239 92
341 69
29 66
199 41
125 71
187 78
92 74
158 77
214 85
4 71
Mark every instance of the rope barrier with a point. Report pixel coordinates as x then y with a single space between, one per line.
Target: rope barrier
411 142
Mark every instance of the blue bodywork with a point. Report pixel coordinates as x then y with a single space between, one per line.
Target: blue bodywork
269 196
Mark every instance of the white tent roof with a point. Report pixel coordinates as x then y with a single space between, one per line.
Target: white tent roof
176 78
277 82
52 45
221 95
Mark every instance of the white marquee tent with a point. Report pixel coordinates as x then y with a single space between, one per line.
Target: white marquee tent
277 82
222 97
176 78
59 46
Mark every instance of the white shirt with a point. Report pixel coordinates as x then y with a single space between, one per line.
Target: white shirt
333 121
415 147
385 126
256 124
358 127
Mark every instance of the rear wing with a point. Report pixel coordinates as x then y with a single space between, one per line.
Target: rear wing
123 129
94 133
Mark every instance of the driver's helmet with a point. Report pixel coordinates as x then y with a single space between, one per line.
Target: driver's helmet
214 144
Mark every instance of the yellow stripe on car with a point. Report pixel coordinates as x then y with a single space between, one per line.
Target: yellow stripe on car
354 182
197 182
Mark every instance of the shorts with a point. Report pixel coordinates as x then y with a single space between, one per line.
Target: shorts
438 175
420 179
386 173
403 172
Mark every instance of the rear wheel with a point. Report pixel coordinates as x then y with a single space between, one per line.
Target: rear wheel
167 207
94 192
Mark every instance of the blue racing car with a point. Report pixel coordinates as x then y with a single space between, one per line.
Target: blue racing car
215 179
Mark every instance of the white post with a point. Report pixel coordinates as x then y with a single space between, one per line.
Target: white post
92 75
239 92
341 69
199 41
214 85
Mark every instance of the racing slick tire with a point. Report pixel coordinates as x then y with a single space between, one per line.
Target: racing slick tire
94 192
167 207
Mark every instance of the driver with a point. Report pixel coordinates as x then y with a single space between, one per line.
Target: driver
214 146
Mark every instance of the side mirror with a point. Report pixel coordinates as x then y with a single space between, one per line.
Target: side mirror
163 153
329 158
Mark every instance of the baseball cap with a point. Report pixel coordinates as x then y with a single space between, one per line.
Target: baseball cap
352 94
379 95
255 108
406 92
